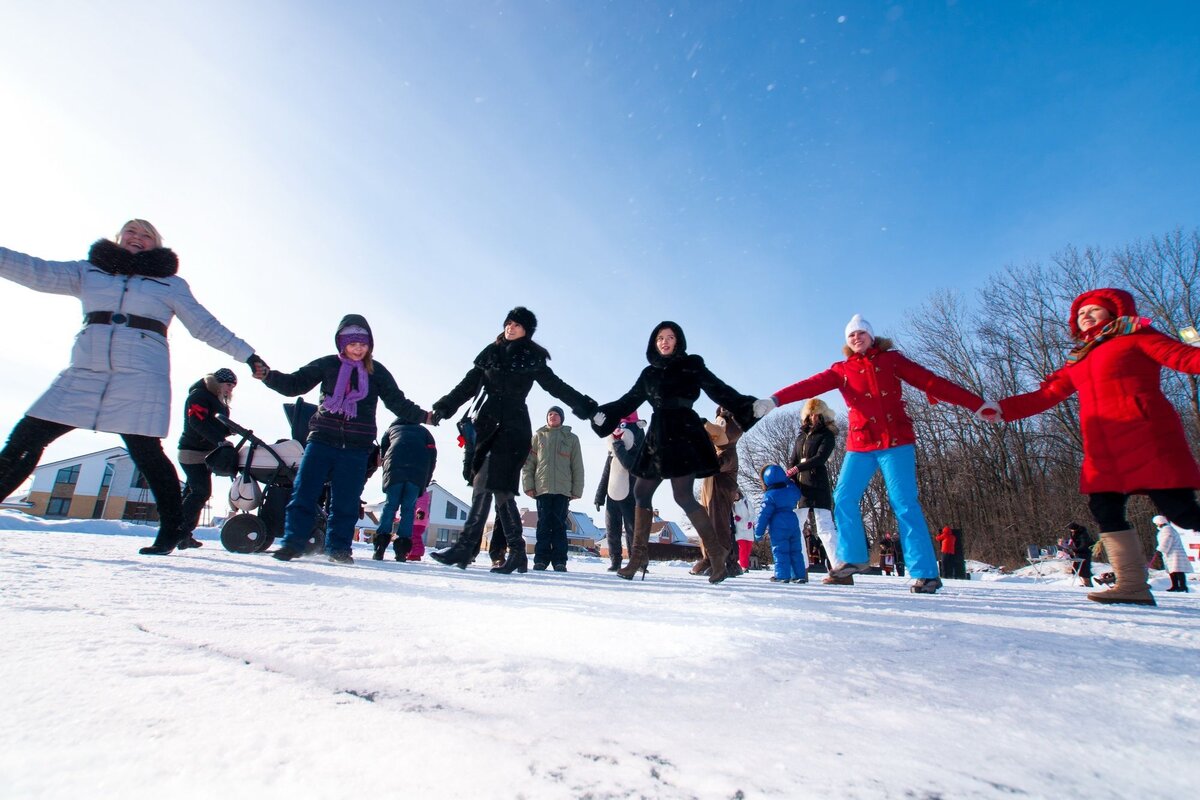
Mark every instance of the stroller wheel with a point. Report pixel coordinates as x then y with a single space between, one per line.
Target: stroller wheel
244 533
268 539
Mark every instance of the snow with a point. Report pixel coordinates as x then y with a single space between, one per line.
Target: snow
208 673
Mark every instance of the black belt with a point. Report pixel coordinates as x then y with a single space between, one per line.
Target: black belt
129 320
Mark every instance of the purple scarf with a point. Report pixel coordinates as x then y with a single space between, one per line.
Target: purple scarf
344 400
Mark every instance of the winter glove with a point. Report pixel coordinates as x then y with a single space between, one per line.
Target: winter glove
989 412
598 419
435 417
258 365
764 406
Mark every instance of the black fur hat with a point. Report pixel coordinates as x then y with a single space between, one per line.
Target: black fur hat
523 317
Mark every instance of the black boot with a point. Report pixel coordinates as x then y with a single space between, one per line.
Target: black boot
510 519
380 542
402 546
517 561
460 554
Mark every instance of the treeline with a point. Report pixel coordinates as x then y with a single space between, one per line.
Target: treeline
1015 484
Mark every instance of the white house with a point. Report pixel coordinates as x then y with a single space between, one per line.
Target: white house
100 485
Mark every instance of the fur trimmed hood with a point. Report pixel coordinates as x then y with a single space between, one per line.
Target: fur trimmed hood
116 260
881 343
816 405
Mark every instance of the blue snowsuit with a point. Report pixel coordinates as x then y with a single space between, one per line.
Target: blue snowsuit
778 517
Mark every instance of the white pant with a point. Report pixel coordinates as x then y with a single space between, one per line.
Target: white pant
826 532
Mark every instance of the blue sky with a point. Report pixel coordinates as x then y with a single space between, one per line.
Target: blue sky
756 171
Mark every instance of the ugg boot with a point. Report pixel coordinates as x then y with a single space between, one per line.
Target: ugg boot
700 567
400 547
380 542
1125 554
712 544
639 554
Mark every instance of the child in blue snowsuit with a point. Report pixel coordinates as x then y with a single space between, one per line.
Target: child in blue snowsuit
778 517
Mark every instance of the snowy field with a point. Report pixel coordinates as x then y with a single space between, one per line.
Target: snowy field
210 674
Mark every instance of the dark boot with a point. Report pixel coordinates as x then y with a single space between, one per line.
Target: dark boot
700 567
639 553
1129 563
401 547
712 544
518 559
616 563
380 541
166 541
464 550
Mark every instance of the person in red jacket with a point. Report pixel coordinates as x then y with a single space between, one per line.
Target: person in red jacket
1133 439
880 438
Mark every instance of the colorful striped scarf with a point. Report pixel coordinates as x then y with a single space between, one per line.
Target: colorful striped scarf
1117 327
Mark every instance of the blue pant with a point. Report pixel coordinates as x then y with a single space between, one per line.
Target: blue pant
788 552
402 496
899 468
346 472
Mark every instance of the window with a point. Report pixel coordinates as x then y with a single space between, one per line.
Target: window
140 512
58 506
139 480
68 475
106 481
443 537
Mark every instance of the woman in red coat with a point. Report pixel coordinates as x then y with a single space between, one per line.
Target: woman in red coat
880 439
1133 440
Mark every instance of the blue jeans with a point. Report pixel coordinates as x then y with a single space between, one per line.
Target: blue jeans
346 472
551 547
899 468
402 496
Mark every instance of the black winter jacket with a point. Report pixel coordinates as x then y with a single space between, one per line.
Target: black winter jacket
676 443
507 370
201 430
335 429
812 449
408 454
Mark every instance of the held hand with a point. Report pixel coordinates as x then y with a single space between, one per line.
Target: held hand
531 492
435 417
990 412
598 419
258 365
791 473
764 406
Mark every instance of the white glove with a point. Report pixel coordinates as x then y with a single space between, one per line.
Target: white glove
599 419
764 406
990 412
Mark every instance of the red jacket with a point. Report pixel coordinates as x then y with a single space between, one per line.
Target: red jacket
947 540
1133 439
871 386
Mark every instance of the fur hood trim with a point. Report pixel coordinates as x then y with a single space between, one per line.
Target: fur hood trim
881 343
116 260
816 405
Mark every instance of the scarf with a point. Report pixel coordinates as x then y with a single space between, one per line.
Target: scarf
1117 327
344 400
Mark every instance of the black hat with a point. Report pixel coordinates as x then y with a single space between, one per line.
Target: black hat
556 410
225 375
523 317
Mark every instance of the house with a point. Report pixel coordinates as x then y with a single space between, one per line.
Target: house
447 517
100 485
667 542
581 531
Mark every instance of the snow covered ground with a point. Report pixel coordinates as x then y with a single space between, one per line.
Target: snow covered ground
210 674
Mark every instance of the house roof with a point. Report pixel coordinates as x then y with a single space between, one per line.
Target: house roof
110 454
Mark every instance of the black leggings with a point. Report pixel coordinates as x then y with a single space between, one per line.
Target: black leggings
196 492
1177 505
681 488
29 439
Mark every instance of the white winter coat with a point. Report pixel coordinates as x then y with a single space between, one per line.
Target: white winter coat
1175 557
119 380
743 520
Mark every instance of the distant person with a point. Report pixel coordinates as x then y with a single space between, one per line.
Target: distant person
808 468
676 448
743 529
778 518
1081 543
615 492
503 374
420 528
1174 556
881 439
953 563
719 490
202 433
1133 438
341 436
553 476
887 554
408 456
119 378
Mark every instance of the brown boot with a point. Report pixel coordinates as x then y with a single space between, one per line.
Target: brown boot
1129 563
700 567
712 544
639 554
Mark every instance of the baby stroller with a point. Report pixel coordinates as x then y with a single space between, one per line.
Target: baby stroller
252 462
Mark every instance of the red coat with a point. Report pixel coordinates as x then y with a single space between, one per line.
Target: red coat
871 385
947 540
1133 439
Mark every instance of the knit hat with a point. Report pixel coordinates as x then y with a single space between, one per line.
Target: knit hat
225 375
352 334
523 317
1160 520
857 323
556 410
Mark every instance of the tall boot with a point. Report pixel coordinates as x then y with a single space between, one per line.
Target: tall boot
1128 562
712 544
639 553
517 560
466 547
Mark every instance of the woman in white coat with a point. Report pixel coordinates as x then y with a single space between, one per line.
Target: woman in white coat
119 380
1174 556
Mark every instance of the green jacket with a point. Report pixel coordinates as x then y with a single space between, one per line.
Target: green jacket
555 463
